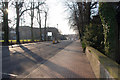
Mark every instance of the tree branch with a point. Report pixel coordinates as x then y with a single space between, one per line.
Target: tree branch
93 5
30 9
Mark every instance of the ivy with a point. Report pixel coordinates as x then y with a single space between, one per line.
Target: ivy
107 15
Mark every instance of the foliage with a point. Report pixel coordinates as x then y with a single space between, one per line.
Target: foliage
83 46
93 36
80 15
107 15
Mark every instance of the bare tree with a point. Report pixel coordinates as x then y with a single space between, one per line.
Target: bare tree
18 7
45 33
39 11
19 13
39 21
80 17
5 22
32 17
46 9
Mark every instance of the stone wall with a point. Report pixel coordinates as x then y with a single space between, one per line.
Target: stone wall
103 67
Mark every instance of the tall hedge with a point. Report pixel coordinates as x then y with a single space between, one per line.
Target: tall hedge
93 36
108 17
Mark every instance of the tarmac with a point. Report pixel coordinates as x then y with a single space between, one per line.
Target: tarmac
70 62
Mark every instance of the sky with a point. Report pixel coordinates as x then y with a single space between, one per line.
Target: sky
56 15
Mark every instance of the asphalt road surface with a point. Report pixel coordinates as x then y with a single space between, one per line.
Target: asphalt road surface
20 60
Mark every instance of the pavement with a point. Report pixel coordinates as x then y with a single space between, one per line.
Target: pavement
20 60
70 62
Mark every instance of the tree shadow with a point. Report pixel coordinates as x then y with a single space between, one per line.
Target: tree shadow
6 63
12 64
35 56
5 58
59 69
63 71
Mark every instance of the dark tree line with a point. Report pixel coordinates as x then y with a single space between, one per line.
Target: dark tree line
97 29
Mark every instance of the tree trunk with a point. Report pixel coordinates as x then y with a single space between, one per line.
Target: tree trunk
17 24
40 28
81 18
88 13
45 26
39 23
118 36
32 15
5 24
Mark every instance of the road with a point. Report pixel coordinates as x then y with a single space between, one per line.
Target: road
20 60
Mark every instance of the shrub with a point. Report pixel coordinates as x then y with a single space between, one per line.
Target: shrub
93 36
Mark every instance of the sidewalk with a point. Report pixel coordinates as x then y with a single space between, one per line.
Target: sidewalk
71 62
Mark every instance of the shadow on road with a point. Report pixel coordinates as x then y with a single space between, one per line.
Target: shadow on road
35 56
51 65
18 62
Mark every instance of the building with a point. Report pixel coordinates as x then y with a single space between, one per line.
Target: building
52 33
25 33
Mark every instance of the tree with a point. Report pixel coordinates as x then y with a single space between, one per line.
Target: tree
80 17
32 17
45 26
93 34
39 21
19 13
5 22
18 7
46 9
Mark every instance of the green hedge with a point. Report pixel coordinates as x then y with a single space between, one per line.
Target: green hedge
107 14
93 36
